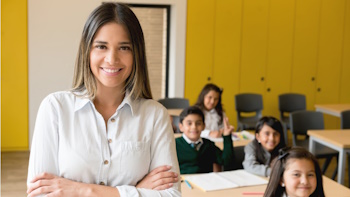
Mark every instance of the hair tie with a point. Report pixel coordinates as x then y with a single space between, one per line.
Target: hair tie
283 153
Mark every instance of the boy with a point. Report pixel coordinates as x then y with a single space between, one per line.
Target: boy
200 155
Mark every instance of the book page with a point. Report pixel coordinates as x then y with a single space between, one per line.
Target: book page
224 180
242 178
210 181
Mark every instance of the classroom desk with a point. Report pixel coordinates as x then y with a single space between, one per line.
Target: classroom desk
331 189
221 144
174 112
336 139
332 109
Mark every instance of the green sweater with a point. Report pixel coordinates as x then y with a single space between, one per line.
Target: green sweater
192 161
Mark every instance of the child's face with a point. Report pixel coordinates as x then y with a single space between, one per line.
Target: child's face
268 137
299 178
192 126
211 99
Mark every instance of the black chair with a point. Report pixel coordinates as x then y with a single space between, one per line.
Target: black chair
248 103
300 123
175 103
238 157
345 124
288 103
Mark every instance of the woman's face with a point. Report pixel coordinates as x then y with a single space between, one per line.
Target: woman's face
268 137
111 56
299 178
211 99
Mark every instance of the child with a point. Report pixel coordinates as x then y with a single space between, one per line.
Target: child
209 101
295 173
260 152
200 155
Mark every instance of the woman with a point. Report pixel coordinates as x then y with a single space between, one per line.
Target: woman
105 137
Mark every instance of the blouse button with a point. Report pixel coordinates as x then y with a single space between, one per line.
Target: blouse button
105 162
102 183
109 140
112 120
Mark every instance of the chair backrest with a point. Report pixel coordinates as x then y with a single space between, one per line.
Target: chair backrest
174 103
345 119
291 102
301 121
239 157
248 102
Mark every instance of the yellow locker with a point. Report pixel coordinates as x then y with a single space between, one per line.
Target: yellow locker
228 18
279 54
330 56
305 50
199 46
254 46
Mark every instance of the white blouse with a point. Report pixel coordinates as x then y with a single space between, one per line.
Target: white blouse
71 140
211 122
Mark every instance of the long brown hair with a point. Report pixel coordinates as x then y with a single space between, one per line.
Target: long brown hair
274 188
138 81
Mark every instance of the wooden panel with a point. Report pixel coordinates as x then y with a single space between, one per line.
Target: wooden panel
330 55
305 50
254 45
279 54
228 18
199 46
14 76
345 70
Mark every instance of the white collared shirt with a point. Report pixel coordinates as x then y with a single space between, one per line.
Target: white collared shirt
199 141
211 122
71 140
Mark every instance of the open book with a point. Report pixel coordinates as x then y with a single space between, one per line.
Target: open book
224 180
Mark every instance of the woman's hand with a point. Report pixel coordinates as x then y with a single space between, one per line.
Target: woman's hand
228 129
159 178
52 185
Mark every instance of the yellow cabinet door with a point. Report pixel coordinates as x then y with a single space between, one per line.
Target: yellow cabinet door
199 46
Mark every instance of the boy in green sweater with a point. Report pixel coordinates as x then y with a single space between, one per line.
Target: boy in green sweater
200 155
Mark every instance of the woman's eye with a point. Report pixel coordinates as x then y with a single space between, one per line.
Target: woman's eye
125 48
101 46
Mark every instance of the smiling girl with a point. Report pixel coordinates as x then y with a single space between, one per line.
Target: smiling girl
260 152
295 173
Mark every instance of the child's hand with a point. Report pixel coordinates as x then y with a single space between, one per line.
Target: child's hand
159 178
228 129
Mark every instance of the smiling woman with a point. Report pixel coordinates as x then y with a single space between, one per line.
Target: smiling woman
106 136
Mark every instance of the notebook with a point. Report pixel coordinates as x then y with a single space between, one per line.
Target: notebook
224 180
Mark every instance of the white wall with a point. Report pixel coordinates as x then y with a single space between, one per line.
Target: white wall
54 29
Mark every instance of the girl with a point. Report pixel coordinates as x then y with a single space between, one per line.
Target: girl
104 136
209 101
268 140
295 173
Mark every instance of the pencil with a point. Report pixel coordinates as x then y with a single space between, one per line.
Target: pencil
188 184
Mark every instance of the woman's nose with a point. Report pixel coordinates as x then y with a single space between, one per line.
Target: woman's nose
112 58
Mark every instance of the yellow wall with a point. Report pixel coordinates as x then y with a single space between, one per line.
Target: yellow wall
14 75
270 47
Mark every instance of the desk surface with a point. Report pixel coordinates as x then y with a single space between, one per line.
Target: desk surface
332 109
221 144
338 137
331 188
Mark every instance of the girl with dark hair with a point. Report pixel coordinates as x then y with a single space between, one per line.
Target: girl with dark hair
105 137
295 173
209 101
264 148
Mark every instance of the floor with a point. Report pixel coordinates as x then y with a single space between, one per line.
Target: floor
14 173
